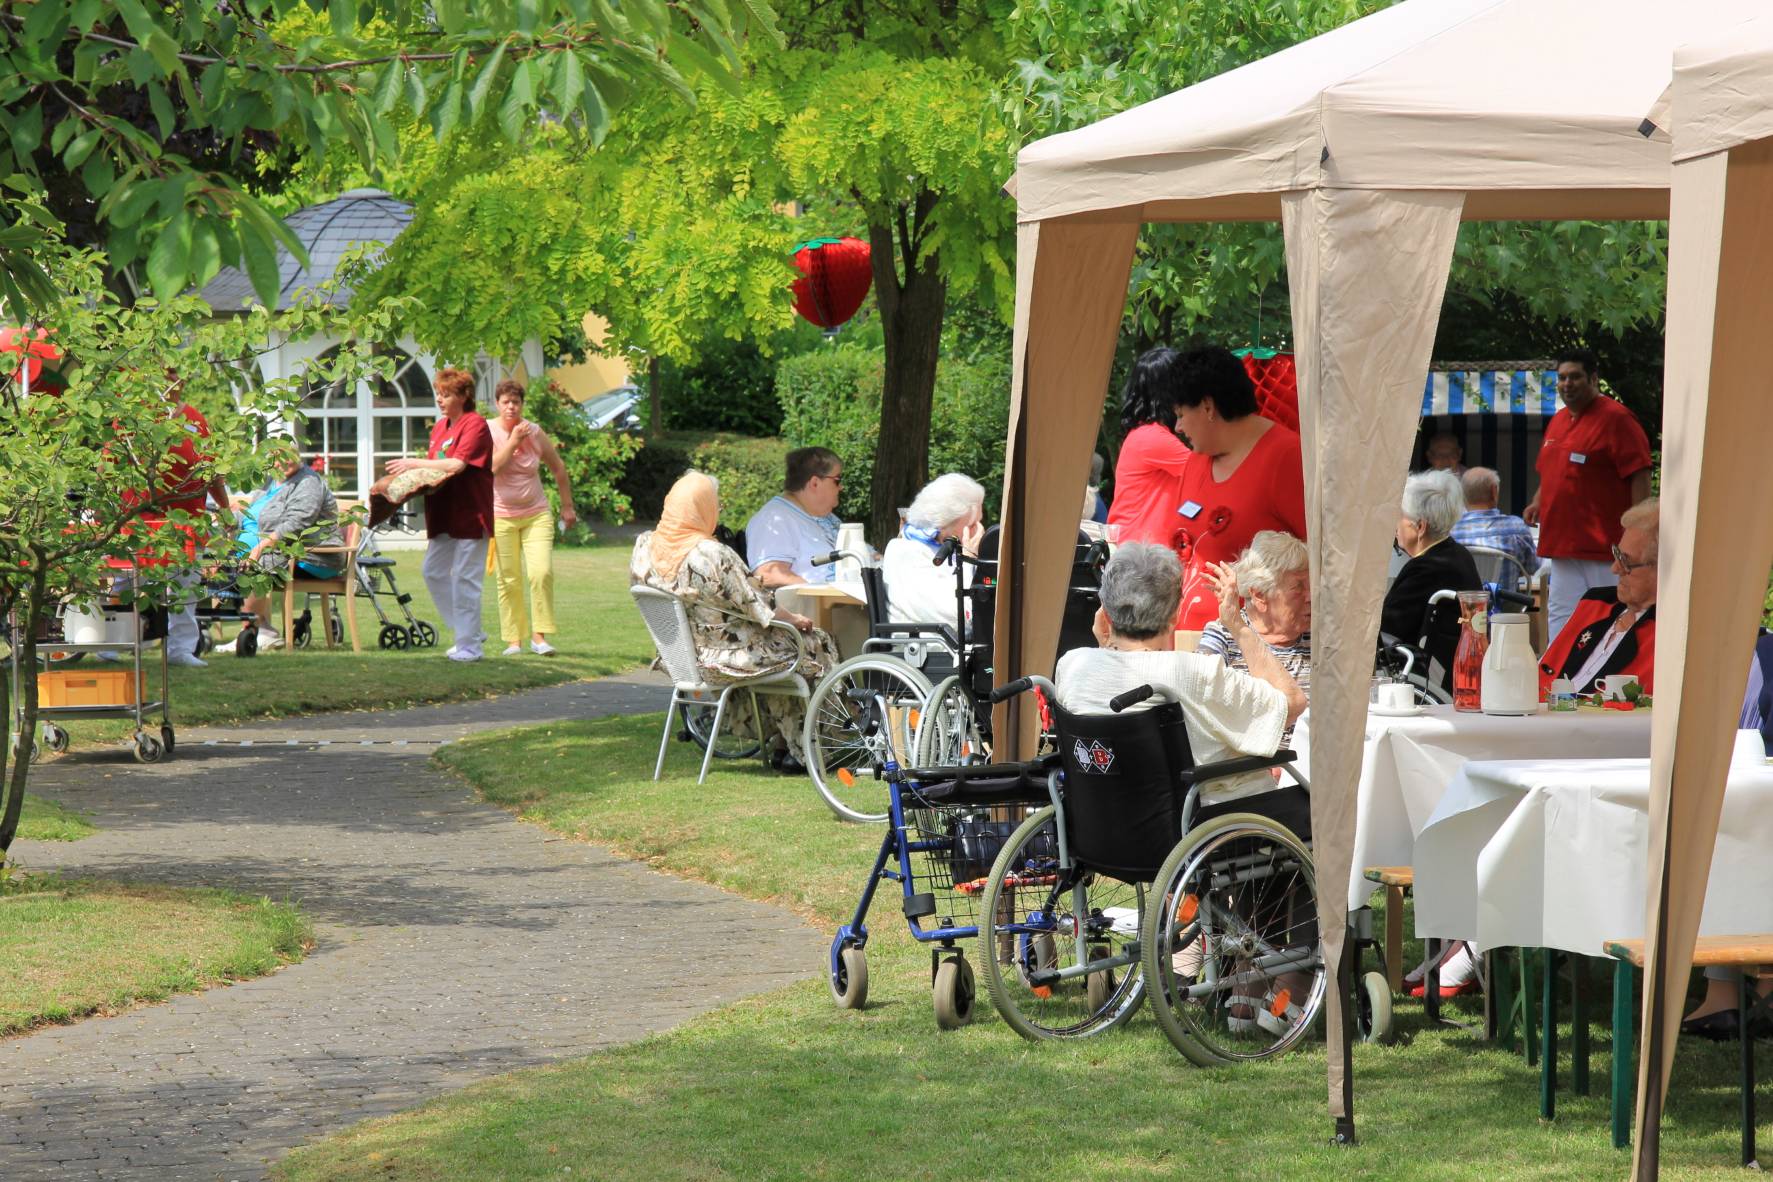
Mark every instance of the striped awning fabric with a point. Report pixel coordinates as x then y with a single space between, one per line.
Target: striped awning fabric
1530 392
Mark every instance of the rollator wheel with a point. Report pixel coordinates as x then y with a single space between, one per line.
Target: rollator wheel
698 722
1373 1008
849 984
948 728
392 636
1047 924
842 751
423 635
955 991
1231 944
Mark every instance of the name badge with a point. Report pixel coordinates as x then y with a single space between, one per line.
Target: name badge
1189 510
1577 457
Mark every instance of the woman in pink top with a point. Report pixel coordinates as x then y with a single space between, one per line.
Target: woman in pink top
523 524
1148 472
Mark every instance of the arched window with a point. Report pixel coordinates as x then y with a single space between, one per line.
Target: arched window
357 432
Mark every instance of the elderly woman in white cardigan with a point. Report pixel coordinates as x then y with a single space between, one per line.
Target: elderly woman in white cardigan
918 591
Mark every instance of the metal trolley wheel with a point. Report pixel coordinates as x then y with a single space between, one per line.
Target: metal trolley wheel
147 749
55 738
843 746
1042 928
1230 942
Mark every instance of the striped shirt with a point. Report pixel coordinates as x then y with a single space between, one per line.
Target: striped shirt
1295 658
1497 530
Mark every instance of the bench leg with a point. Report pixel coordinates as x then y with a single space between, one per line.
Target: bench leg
1529 1015
1548 1063
1394 938
1579 1025
1503 981
1745 997
1623 1047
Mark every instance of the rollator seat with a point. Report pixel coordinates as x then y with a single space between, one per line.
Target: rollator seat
982 784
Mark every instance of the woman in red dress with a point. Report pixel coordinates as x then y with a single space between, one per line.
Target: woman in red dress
1246 475
1148 471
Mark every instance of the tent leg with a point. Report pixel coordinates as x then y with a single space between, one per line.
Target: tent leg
1345 984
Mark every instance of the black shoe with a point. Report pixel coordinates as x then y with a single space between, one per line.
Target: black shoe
1719 1025
789 766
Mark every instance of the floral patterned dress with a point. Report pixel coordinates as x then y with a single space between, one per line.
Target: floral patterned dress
730 614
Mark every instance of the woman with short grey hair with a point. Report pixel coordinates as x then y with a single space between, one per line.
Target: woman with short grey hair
1433 503
1227 712
918 591
1269 588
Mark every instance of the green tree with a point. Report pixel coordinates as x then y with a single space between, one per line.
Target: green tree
87 470
162 111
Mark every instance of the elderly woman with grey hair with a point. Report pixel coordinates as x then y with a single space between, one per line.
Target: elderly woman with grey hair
918 591
1227 712
1432 505
1269 589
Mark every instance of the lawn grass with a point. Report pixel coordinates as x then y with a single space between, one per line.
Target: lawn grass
70 948
600 633
787 1086
45 820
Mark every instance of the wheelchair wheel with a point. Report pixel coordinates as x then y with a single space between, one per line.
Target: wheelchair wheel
955 992
1045 927
698 723
1230 942
843 749
947 730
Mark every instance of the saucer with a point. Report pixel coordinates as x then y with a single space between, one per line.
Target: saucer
1388 712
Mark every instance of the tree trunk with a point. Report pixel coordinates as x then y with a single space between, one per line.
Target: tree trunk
911 312
26 656
655 414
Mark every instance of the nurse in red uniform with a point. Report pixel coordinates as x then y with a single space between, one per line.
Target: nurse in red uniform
1246 475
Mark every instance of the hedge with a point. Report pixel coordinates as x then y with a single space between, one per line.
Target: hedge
749 471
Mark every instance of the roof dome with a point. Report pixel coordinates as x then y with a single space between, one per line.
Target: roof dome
327 231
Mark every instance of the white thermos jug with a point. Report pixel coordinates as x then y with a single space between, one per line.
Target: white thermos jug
1511 671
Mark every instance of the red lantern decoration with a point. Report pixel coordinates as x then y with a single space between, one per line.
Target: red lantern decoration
837 275
1277 385
40 369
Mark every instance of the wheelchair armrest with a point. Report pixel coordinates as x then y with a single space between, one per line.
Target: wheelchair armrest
1236 766
942 632
799 639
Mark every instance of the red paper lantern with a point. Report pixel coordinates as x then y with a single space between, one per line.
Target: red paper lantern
42 360
837 274
1277 385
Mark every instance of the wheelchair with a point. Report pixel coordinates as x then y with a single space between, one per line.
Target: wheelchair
935 679
1125 887
940 840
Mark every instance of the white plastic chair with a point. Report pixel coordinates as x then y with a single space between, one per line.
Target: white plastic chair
668 621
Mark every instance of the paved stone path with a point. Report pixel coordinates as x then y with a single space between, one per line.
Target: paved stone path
454 943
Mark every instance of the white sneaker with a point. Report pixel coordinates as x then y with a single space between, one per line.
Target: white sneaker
451 651
540 648
269 639
511 650
456 655
187 660
226 650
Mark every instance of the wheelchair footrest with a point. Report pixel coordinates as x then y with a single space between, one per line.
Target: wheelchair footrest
918 906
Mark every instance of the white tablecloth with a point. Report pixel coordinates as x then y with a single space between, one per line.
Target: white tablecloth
1407 763
1553 854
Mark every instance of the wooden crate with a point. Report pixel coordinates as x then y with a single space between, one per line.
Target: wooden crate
87 687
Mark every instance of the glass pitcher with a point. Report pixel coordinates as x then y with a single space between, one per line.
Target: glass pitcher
1468 660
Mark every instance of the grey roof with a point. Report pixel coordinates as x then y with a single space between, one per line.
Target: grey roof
326 231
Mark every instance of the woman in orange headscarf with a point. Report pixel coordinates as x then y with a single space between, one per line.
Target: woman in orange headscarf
729 611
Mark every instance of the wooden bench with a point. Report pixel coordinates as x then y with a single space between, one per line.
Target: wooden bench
1744 953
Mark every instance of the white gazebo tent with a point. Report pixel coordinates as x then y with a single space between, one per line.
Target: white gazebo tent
1717 498
1369 144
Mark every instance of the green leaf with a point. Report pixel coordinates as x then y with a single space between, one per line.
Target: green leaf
447 111
529 15
596 114
569 80
261 264
388 88
27 131
690 56
206 252
415 91
162 108
343 14
80 149
453 15
45 27
99 174
141 26
520 100
85 13
483 84
165 52
169 260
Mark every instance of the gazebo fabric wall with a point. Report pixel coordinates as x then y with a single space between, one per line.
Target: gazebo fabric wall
1717 507
1390 104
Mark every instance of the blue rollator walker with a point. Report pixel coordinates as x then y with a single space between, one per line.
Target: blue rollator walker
941 839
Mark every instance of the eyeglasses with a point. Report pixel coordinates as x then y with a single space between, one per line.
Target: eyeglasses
1625 564
837 480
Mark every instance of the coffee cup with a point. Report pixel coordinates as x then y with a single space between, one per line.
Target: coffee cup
1613 686
1394 696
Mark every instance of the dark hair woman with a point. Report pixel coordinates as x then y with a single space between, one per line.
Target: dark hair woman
1148 471
1247 475
458 512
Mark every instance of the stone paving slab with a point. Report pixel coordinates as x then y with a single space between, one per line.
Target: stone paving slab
454 943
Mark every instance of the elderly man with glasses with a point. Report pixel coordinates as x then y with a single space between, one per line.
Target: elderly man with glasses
1613 629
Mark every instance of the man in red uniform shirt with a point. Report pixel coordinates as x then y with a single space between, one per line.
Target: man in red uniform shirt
1593 466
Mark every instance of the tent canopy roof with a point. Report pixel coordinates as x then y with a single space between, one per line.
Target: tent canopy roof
1723 90
1533 106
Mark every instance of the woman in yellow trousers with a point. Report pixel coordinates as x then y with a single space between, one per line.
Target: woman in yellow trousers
523 524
